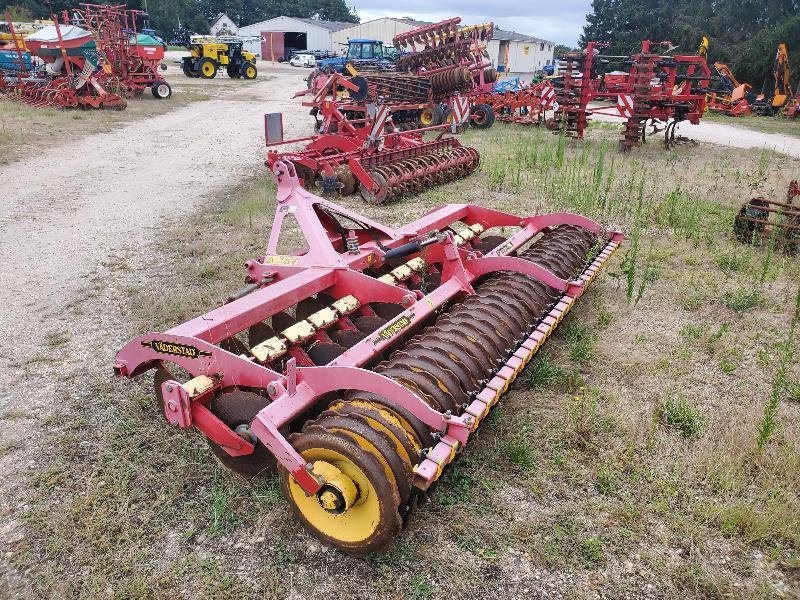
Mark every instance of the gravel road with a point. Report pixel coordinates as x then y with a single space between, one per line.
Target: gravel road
71 211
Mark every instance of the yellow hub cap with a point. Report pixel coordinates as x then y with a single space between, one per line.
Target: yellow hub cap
339 492
208 69
356 523
251 72
426 117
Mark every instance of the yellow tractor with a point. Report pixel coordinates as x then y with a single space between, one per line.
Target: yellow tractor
211 53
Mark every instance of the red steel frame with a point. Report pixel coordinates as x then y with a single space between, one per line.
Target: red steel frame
280 281
527 106
135 67
361 143
662 102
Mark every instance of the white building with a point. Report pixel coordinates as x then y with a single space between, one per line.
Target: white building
223 25
523 53
281 35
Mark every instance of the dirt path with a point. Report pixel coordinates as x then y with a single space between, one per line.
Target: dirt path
730 135
71 214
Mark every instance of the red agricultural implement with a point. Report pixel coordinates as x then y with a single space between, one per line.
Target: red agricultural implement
67 72
134 59
661 91
526 106
363 363
371 154
92 57
762 221
443 61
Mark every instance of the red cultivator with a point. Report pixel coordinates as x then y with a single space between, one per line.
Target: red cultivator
762 221
371 154
444 61
525 106
659 89
363 363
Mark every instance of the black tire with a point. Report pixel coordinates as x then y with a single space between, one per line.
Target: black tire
482 116
161 90
248 70
233 72
206 68
361 93
188 67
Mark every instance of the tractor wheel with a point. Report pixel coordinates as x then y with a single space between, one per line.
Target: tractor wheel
161 90
482 116
207 68
233 72
237 409
431 116
188 67
248 70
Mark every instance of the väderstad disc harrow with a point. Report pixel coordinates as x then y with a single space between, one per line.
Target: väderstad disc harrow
363 363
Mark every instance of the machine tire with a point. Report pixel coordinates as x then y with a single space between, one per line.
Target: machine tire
248 70
361 93
161 90
207 68
188 67
432 116
233 72
483 116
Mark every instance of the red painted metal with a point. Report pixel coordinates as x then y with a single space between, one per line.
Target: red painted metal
372 154
122 68
526 106
658 89
340 263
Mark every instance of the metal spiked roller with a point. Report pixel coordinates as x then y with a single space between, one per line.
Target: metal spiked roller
363 363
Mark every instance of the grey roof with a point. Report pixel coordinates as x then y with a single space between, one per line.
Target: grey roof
329 25
499 34
513 36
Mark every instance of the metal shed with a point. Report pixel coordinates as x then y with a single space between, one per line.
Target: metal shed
282 35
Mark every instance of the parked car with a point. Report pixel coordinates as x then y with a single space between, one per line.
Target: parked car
302 60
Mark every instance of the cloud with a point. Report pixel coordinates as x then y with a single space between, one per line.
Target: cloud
560 22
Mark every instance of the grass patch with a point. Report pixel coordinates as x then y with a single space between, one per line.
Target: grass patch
681 416
742 300
543 372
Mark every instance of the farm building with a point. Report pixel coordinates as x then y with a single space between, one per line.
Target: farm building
522 53
223 25
282 35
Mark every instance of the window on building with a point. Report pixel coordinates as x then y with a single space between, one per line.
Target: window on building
541 46
548 62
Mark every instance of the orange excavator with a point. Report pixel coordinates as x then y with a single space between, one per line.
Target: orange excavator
783 100
731 100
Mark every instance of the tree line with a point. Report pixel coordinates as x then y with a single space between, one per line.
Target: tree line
744 34
167 16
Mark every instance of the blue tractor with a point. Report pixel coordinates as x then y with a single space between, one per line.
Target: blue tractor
360 52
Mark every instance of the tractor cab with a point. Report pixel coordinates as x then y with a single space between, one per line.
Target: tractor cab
359 52
364 50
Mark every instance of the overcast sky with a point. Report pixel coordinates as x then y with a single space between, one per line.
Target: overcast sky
560 22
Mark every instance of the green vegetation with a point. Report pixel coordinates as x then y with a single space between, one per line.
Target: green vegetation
680 415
